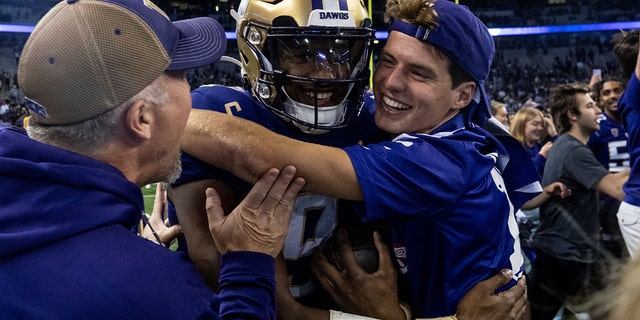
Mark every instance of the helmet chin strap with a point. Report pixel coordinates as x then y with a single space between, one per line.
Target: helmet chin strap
327 116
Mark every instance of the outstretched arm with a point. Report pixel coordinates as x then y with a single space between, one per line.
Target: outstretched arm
247 150
556 188
638 66
612 183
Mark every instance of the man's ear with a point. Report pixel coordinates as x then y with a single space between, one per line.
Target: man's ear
139 118
464 94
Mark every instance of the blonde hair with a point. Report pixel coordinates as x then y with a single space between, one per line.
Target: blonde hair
495 106
418 12
519 122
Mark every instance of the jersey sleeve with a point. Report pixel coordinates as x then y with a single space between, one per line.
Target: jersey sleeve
389 172
247 290
629 108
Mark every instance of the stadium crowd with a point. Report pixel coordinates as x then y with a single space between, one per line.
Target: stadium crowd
524 68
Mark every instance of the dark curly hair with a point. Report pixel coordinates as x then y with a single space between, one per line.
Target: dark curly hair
562 100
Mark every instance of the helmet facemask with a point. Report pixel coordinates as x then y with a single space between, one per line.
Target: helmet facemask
312 76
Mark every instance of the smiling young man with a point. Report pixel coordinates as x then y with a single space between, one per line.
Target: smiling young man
566 241
440 178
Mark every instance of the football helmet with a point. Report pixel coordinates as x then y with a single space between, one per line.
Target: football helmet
306 60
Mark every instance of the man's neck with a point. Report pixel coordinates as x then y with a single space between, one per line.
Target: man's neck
613 115
580 134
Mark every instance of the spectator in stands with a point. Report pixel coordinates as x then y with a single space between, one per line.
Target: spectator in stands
529 126
499 111
101 129
4 111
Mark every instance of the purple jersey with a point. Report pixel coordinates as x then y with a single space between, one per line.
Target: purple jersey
315 216
629 107
609 144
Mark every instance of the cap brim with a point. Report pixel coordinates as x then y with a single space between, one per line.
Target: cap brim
202 42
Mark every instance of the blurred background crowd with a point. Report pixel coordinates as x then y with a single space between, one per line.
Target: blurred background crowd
524 68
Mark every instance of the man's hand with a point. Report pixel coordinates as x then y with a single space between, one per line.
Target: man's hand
261 220
355 290
481 302
156 228
557 188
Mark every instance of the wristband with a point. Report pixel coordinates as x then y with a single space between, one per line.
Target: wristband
406 309
337 315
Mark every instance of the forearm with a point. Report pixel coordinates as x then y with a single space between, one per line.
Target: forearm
621 178
204 138
638 66
536 202
189 202
247 149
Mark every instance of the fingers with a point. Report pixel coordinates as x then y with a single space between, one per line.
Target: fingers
500 279
260 189
288 199
159 204
273 189
385 261
213 205
170 233
517 291
346 253
326 275
520 293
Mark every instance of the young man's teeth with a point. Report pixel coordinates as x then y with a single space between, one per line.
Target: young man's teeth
394 104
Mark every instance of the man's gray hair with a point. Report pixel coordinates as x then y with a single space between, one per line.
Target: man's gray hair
90 136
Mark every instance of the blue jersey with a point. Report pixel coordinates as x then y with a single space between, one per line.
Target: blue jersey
629 107
315 216
452 220
609 145
538 159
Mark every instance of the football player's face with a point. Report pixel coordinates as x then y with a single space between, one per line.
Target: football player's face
316 59
609 96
